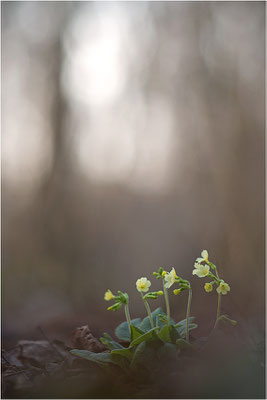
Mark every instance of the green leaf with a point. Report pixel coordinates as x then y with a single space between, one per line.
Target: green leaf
138 354
183 322
122 331
181 326
145 356
110 343
125 352
168 334
143 338
146 325
123 362
164 334
135 332
100 358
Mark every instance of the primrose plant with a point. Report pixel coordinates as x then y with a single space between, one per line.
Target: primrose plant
202 269
168 279
156 337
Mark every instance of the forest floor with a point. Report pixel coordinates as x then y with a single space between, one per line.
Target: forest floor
224 368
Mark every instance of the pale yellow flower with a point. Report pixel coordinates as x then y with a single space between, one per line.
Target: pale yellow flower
204 256
170 278
208 287
143 284
109 295
201 270
223 288
177 291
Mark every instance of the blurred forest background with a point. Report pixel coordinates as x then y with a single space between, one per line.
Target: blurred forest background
132 138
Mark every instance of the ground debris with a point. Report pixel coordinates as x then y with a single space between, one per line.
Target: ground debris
83 339
30 363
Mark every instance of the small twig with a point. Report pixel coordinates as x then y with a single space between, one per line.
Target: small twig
17 372
14 366
4 357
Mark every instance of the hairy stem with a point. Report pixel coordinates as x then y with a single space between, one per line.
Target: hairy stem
218 309
188 313
128 316
148 310
165 291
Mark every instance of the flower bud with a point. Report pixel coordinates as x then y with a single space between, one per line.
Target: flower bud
124 298
115 307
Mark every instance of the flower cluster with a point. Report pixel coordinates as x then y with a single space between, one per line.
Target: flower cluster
203 267
121 299
203 270
169 278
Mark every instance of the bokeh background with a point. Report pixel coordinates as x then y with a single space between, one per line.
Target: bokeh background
132 138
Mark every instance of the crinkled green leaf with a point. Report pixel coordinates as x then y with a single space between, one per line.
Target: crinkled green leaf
168 334
100 358
164 334
183 322
125 352
122 331
174 334
143 338
145 356
138 354
181 326
135 332
123 362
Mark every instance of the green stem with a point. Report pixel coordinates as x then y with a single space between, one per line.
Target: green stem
188 313
148 310
165 291
218 309
128 316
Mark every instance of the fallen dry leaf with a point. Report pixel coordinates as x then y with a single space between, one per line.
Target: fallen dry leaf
83 339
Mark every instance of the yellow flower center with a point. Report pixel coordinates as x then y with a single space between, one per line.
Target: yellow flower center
142 286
